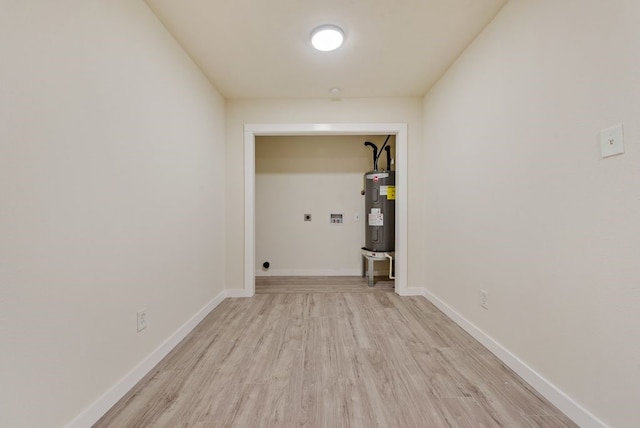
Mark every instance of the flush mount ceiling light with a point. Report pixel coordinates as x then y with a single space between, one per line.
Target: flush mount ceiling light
327 37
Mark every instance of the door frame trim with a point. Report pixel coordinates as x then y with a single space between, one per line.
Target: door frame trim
251 131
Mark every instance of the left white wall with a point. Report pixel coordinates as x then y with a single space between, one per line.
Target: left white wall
111 199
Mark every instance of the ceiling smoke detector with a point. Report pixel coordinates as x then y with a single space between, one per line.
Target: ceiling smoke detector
327 37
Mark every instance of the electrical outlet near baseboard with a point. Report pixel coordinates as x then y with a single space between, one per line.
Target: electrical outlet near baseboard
142 319
484 299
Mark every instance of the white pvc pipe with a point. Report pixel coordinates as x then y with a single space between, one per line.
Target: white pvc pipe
390 265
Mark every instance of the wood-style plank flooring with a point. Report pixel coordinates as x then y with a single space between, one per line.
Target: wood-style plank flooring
330 352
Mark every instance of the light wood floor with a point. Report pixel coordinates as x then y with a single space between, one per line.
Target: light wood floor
321 352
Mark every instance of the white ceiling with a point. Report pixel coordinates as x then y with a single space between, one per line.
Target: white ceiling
261 48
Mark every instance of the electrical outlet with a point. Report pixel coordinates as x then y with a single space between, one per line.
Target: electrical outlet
484 299
142 319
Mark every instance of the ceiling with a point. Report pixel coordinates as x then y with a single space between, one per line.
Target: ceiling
261 48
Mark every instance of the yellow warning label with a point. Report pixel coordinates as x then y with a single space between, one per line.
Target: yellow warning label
391 192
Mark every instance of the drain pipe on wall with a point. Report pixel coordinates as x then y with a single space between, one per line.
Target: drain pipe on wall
391 276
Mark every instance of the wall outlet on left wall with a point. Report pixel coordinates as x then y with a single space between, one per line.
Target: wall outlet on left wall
484 299
142 319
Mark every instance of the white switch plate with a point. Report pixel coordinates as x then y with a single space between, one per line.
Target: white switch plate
611 141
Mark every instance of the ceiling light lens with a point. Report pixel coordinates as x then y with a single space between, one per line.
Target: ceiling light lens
327 38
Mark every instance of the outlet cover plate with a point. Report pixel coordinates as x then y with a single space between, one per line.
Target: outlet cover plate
142 319
484 299
612 141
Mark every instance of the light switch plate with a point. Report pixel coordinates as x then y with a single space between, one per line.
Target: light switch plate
611 141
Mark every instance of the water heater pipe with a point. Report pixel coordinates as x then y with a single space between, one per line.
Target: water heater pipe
388 150
375 154
391 276
381 149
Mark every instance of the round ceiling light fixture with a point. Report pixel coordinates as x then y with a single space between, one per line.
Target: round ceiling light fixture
327 37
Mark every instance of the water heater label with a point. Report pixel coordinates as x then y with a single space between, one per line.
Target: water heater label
376 219
391 193
388 191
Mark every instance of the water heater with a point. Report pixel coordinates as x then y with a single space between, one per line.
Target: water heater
380 210
380 205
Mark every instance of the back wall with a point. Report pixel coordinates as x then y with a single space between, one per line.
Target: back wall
317 175
291 111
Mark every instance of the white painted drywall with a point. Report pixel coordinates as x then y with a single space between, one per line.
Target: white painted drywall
366 110
317 175
112 199
519 203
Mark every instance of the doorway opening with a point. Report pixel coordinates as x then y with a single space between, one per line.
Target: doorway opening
251 131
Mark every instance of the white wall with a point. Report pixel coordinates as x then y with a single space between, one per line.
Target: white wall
112 199
519 202
366 110
317 175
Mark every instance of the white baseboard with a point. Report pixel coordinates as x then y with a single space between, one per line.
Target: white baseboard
562 401
96 410
309 272
317 272
238 292
412 292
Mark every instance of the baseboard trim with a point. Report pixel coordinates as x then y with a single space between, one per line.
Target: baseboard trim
309 272
562 401
317 272
238 293
96 410
412 291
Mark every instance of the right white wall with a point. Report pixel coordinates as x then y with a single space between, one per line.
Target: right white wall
518 201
